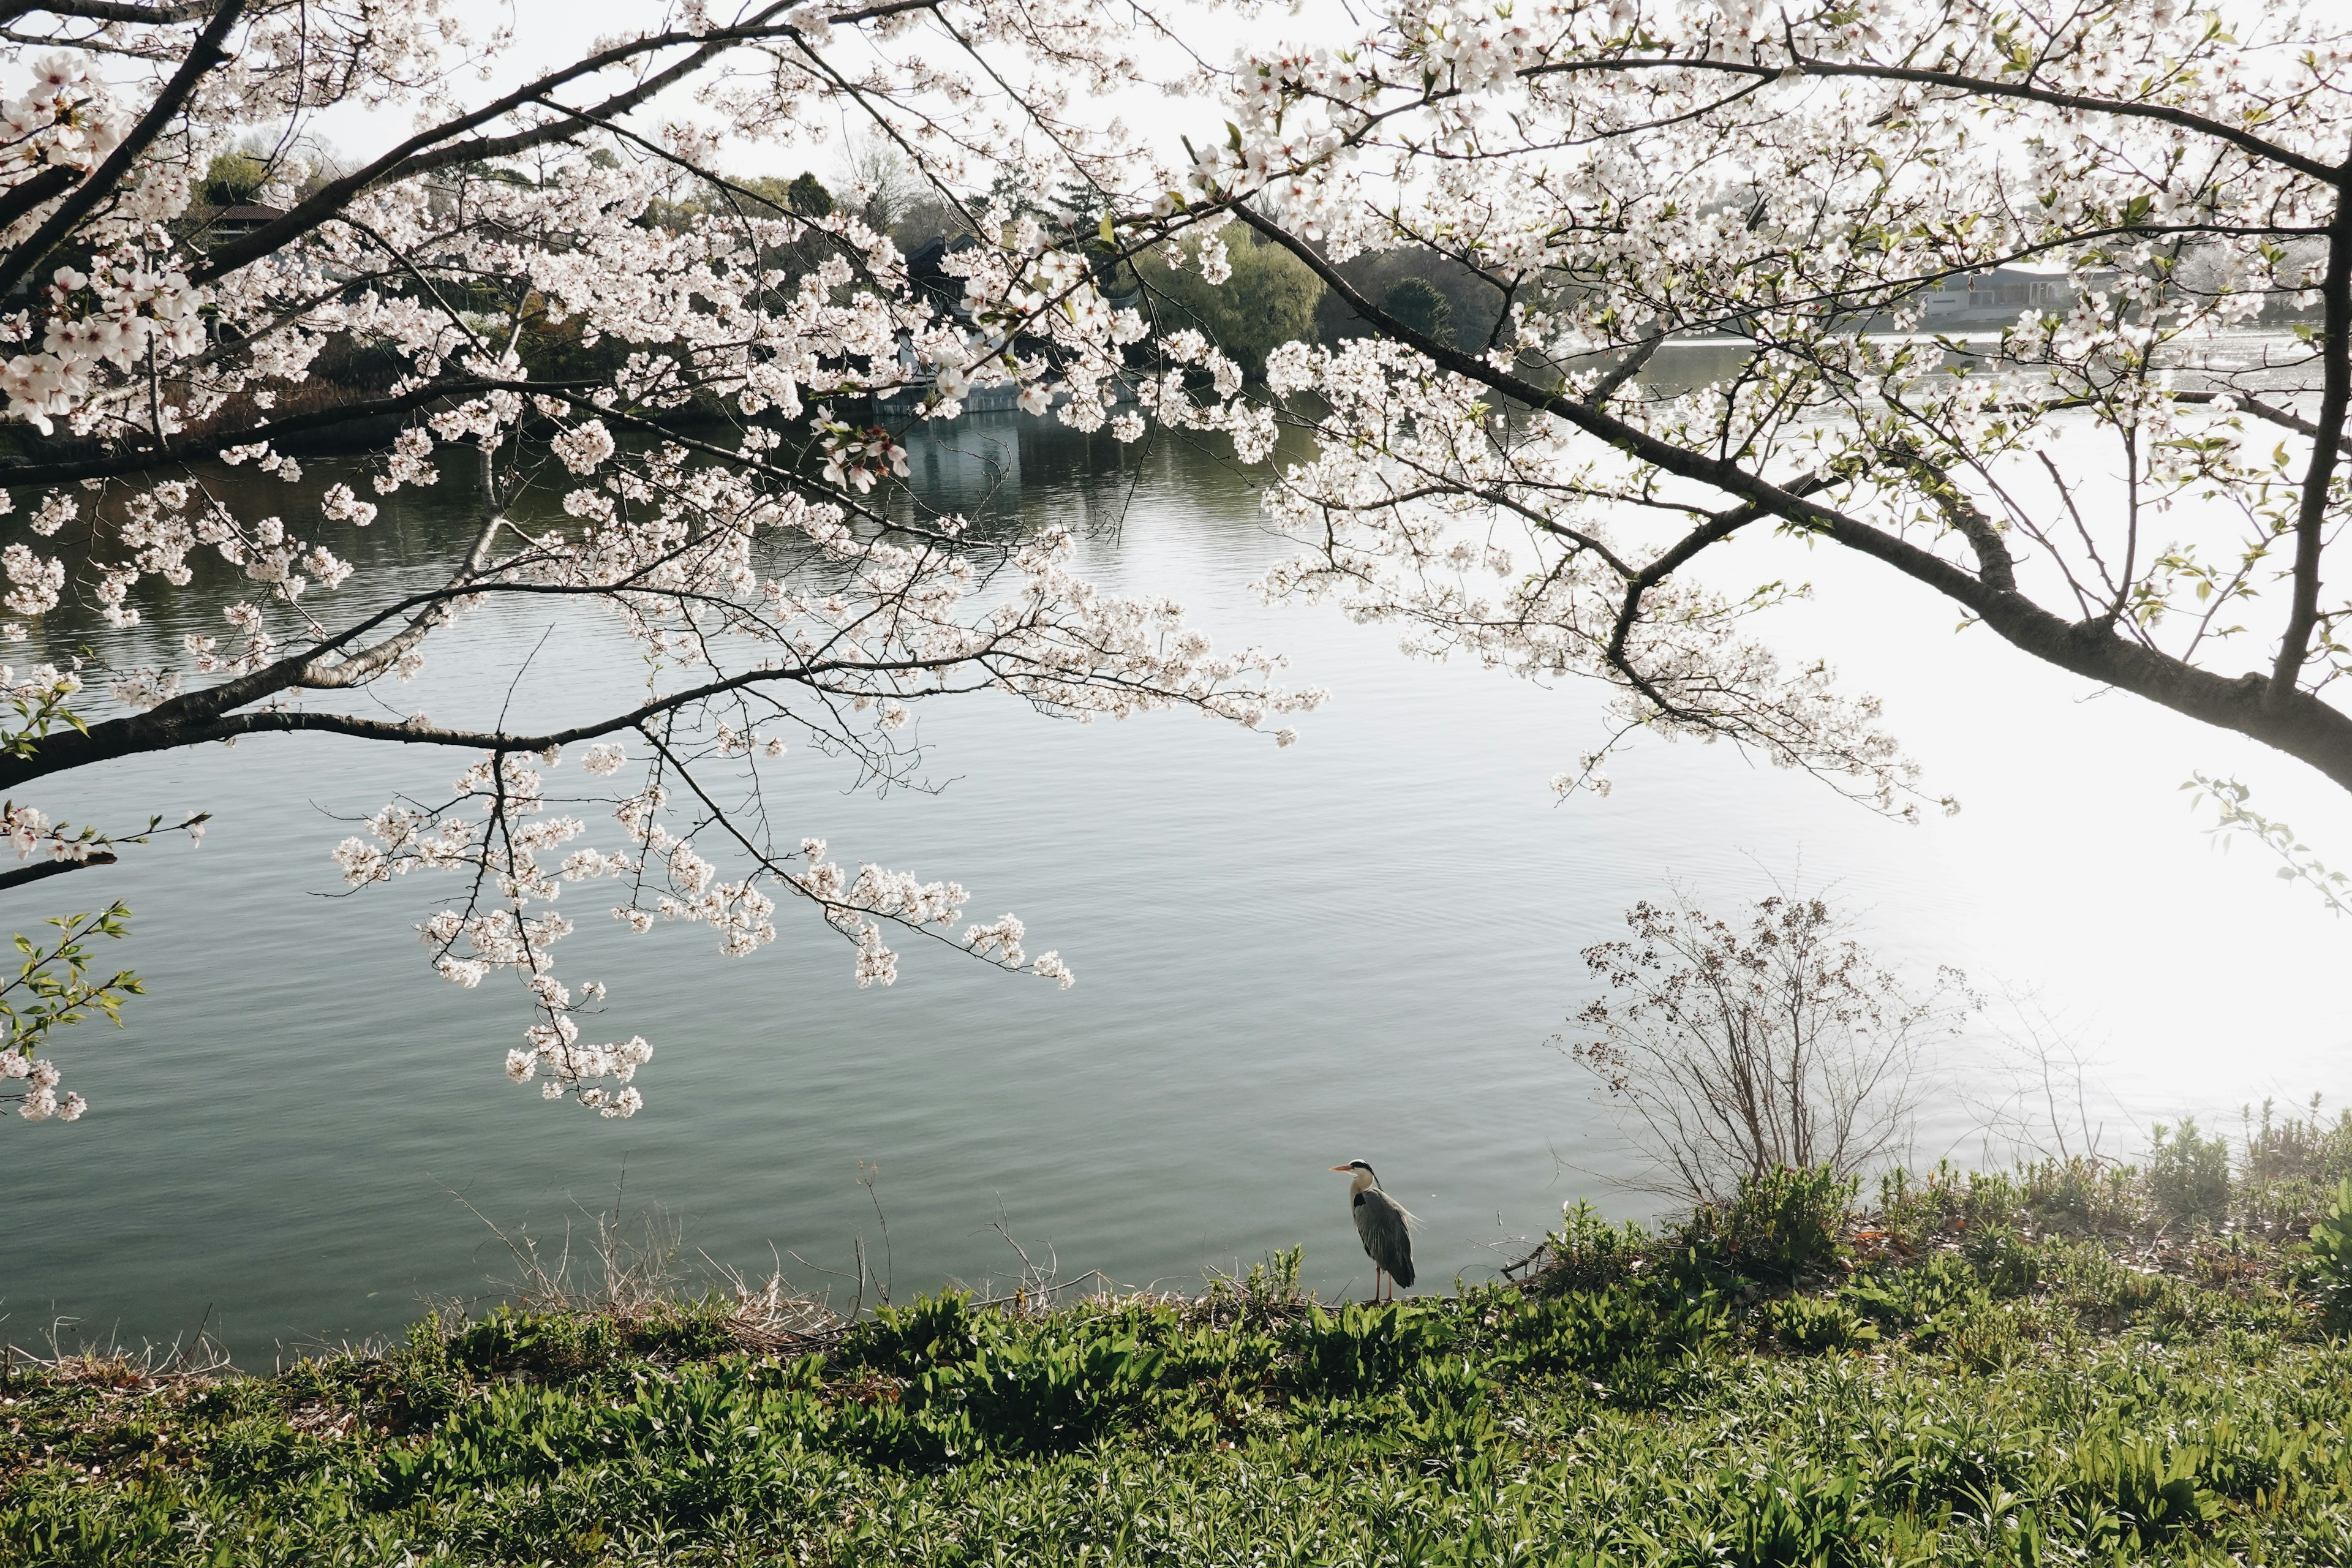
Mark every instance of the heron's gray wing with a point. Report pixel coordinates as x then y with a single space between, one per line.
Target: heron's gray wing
1382 1224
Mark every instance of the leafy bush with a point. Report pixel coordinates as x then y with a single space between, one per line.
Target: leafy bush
2306 1148
939 1331
2004 1260
2289 1168
2188 1175
2150 1488
1270 1285
1797 1516
2081 1196
1588 1253
1362 1347
548 1343
1780 1227
1911 1212
1620 1337
1055 1391
2331 1252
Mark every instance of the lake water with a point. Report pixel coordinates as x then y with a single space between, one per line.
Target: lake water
1357 947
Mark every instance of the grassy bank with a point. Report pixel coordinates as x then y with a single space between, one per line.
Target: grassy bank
2061 1364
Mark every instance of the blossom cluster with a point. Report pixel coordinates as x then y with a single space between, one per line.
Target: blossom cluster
858 458
40 1099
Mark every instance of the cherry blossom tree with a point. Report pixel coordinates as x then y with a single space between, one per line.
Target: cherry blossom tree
2118 480
573 293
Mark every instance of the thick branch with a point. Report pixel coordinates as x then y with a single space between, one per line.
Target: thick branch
112 11
1721 526
47 869
2236 136
115 464
2318 480
1626 369
207 716
2245 140
1995 565
25 195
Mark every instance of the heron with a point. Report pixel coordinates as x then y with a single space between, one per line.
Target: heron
1384 1227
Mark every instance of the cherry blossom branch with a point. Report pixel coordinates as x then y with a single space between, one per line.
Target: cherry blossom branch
1978 87
209 50
2299 725
195 448
2285 418
2296 861
840 911
434 148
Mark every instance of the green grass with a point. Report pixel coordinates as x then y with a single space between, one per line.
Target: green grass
2041 1368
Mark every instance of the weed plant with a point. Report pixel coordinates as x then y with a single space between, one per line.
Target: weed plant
2048 1365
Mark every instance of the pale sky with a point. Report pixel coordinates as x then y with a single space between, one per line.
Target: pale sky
548 31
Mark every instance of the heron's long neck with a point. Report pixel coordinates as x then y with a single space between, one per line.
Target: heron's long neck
1363 1179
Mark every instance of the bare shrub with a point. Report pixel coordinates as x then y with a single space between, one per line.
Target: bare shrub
1733 1053
2035 1094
